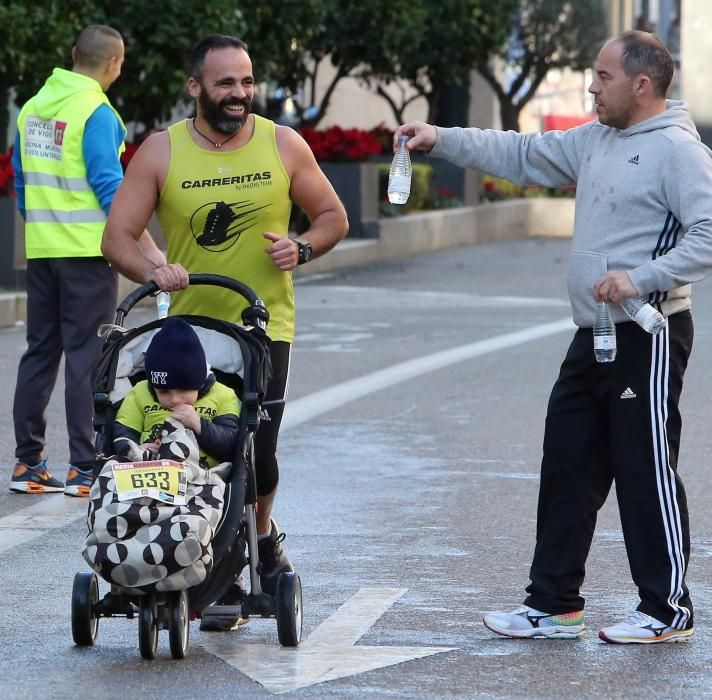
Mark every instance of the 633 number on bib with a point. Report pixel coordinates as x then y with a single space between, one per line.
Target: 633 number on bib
162 479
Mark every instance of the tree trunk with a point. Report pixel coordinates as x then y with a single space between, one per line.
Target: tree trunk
398 108
326 98
433 98
509 113
452 108
395 108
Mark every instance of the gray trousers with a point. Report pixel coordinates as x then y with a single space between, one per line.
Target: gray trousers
67 300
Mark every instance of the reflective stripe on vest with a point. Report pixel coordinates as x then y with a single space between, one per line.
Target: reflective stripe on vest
71 184
76 216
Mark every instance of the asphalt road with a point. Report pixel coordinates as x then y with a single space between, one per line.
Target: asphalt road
409 456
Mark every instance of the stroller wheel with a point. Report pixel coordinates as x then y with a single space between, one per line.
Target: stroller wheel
85 596
288 609
147 627
178 624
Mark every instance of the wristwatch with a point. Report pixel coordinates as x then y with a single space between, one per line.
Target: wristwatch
305 251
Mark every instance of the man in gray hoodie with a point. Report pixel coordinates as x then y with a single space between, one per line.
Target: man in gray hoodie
643 227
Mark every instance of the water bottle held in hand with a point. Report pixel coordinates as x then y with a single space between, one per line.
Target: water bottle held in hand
604 335
400 175
163 301
645 315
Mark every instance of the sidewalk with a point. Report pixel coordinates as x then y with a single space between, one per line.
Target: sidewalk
404 236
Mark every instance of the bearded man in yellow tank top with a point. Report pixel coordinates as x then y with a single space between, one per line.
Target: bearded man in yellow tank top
222 186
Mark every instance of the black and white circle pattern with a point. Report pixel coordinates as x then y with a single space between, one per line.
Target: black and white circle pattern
146 545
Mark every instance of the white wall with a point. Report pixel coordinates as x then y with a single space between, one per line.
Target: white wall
696 58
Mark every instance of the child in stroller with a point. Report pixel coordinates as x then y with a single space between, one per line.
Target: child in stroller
180 384
238 354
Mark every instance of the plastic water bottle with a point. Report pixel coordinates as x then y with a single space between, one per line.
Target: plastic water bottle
400 175
604 335
163 301
645 315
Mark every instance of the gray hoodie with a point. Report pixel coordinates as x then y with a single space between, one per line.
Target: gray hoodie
643 199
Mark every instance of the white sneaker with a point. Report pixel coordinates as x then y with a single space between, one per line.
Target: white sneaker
527 623
639 628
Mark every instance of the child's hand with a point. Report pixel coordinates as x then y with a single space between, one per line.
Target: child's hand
186 414
151 447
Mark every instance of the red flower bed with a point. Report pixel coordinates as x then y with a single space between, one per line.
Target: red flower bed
332 145
132 146
128 153
7 174
343 145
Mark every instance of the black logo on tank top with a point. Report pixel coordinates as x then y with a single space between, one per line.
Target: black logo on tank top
237 181
217 226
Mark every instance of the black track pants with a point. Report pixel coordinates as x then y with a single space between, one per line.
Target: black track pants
616 421
266 466
67 300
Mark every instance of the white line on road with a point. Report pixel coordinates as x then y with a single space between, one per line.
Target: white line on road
301 410
353 297
58 510
47 512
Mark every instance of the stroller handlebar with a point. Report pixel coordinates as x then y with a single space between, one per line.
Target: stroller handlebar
254 315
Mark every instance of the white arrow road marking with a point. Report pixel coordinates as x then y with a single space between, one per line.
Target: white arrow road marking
48 513
329 652
61 510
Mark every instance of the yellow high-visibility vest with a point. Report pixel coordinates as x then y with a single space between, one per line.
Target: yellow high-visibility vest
63 215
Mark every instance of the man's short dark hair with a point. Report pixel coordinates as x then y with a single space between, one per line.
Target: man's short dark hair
96 44
646 53
196 61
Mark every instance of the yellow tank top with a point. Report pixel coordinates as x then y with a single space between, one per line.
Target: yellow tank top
213 209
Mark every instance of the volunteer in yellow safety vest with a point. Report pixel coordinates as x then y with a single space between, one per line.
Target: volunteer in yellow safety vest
67 170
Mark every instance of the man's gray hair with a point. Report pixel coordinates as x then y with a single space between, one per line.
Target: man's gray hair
645 53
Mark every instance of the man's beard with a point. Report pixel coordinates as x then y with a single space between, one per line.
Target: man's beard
213 113
618 120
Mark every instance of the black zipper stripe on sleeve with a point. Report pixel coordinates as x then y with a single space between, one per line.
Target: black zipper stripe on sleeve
667 240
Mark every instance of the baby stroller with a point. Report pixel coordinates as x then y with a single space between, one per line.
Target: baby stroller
239 357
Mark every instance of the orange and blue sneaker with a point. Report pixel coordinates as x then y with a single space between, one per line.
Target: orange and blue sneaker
79 482
34 479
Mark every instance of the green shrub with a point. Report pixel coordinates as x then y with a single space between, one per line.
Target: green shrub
496 189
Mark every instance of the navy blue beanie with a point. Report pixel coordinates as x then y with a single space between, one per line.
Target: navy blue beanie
175 359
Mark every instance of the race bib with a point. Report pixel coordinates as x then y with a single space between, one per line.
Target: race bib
162 479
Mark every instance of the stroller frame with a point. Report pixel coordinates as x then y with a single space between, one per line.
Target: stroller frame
173 610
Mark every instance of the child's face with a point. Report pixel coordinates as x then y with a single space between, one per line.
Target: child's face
170 398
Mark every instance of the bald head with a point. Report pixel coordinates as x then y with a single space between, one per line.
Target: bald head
97 44
99 54
645 53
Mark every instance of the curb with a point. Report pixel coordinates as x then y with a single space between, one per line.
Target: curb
403 236
13 309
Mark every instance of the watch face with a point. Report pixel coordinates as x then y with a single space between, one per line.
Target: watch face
305 251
